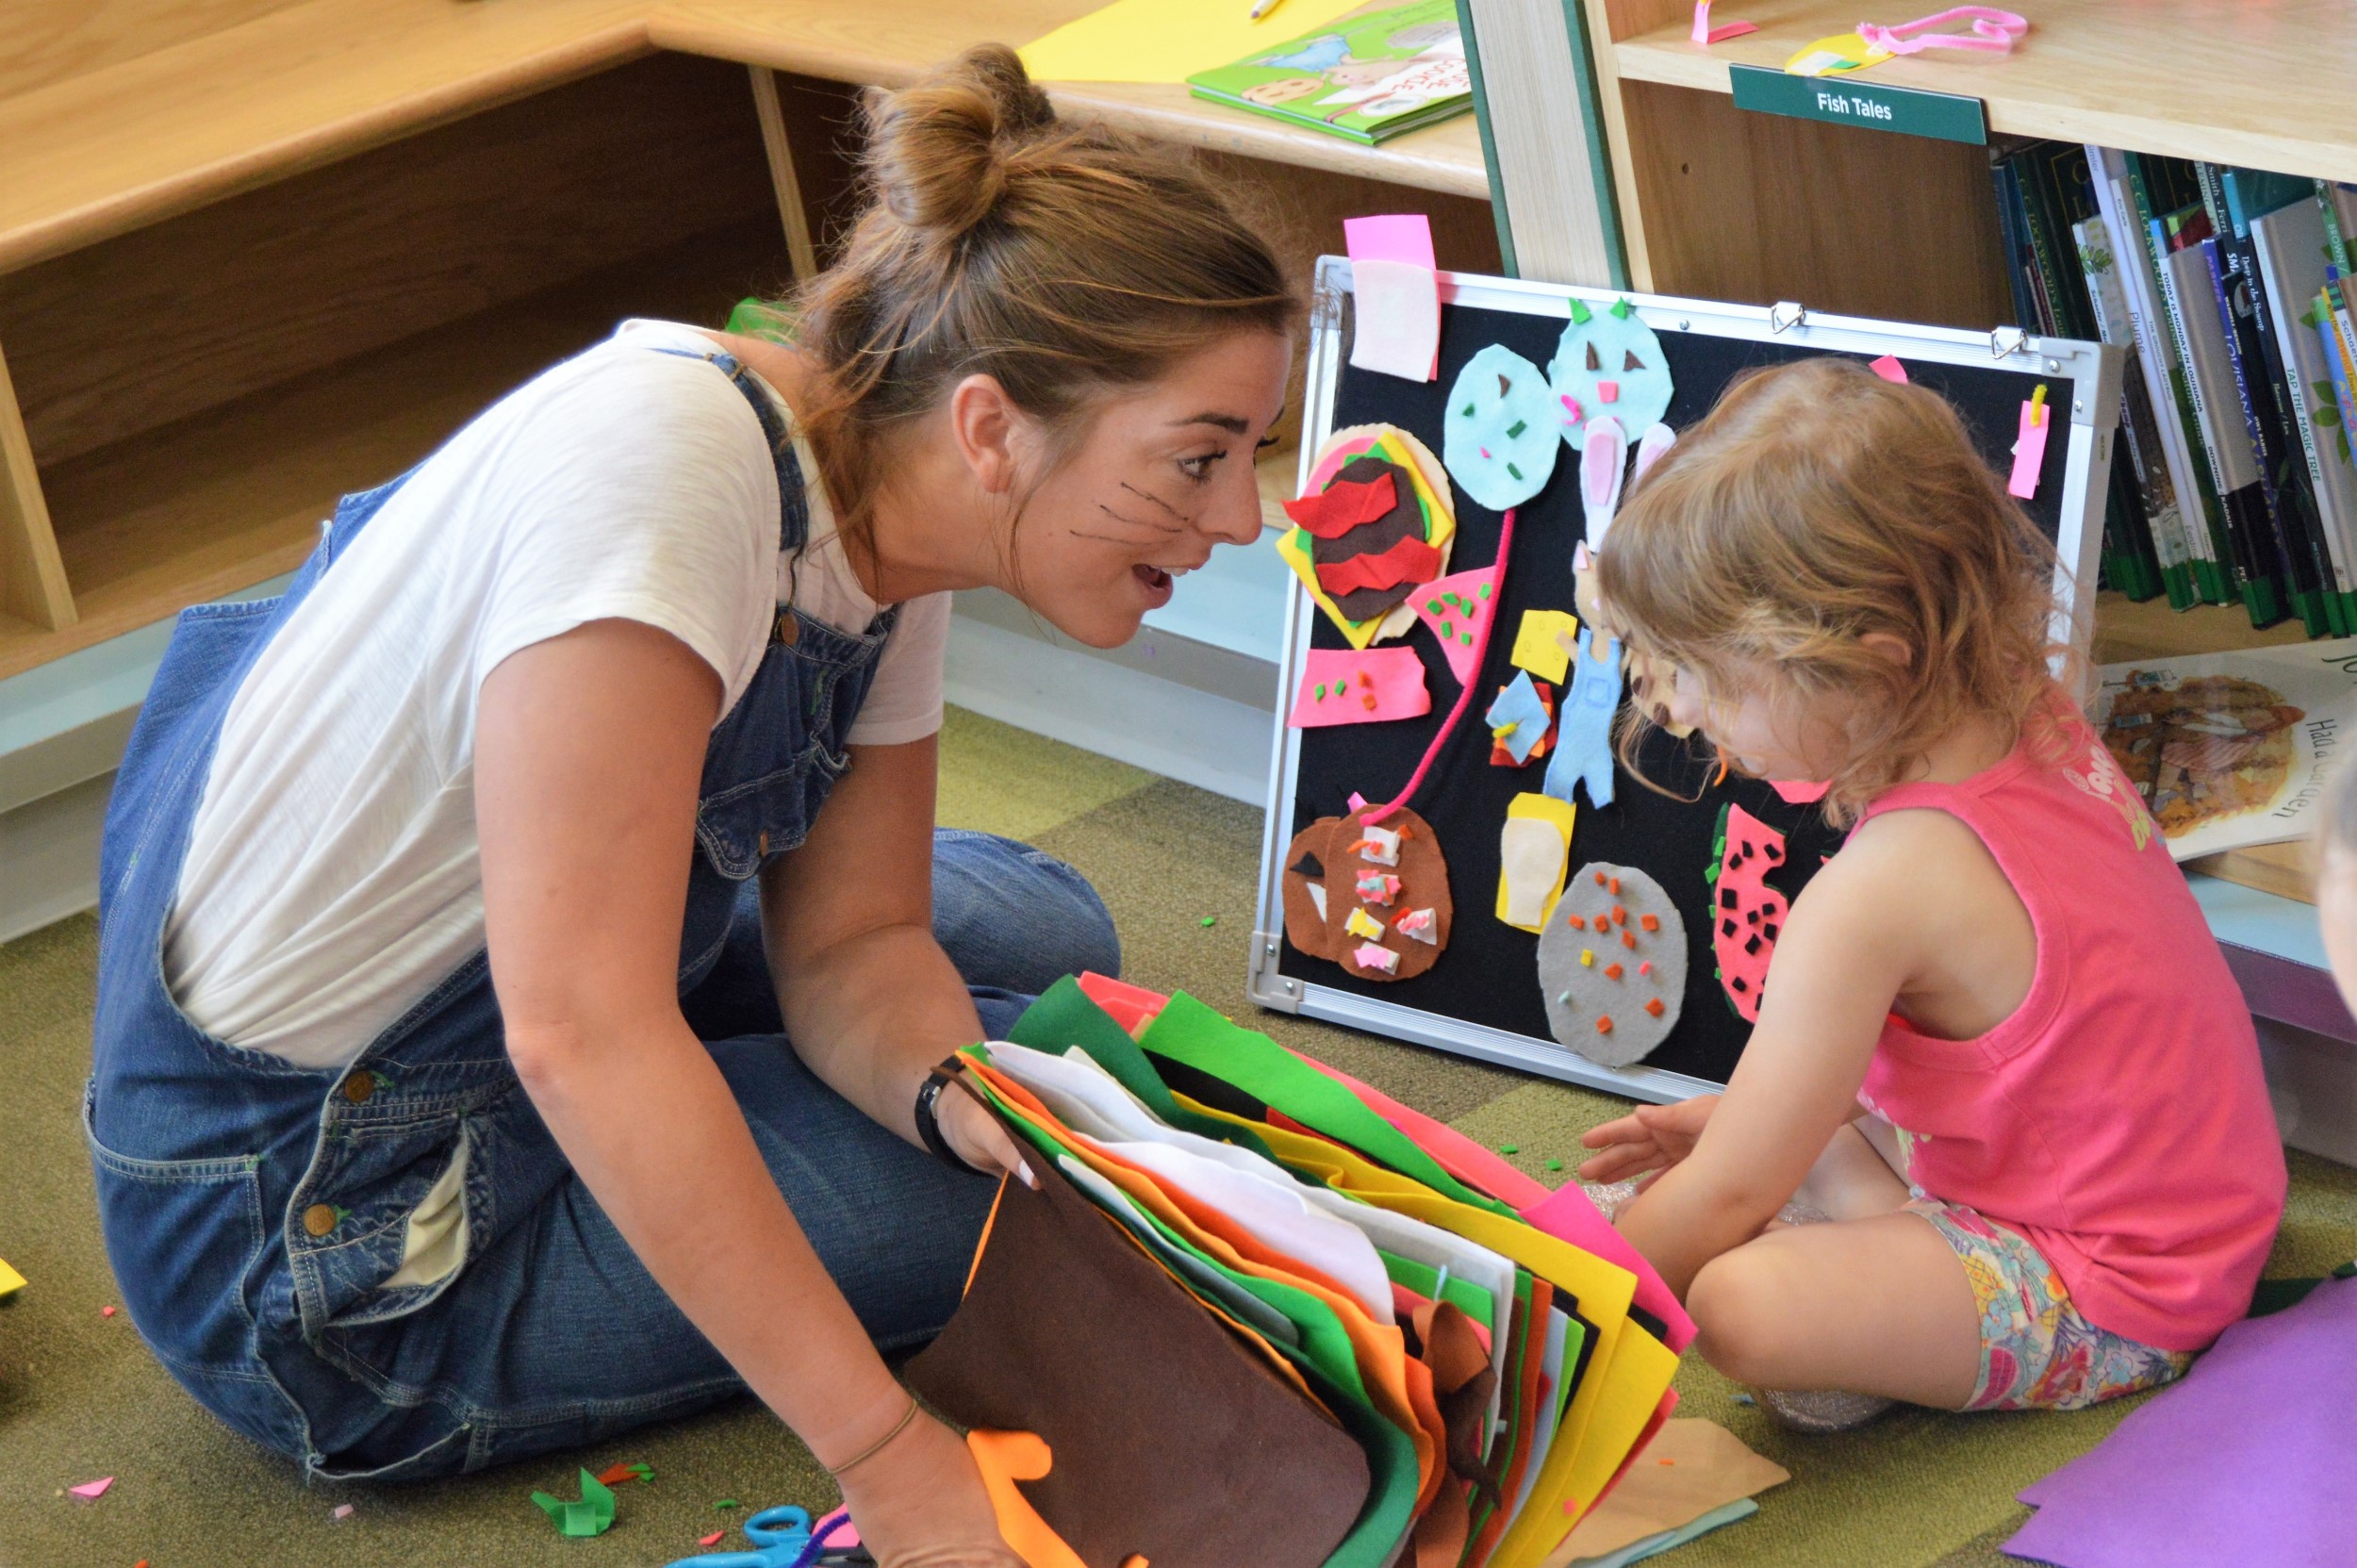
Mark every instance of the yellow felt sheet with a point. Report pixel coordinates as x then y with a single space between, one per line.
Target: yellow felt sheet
1168 41
1543 643
1627 1374
10 1282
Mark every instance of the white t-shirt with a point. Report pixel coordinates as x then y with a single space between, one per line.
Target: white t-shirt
333 876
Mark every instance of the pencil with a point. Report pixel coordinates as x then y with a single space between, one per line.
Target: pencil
1261 9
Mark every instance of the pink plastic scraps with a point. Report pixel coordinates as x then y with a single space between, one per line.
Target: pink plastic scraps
90 1491
1395 295
1888 367
1349 686
1457 607
2029 447
1704 33
1994 32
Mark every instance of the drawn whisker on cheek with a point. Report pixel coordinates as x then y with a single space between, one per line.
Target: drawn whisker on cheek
1138 522
1108 538
1158 501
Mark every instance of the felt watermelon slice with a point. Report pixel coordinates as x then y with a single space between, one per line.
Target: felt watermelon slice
1746 913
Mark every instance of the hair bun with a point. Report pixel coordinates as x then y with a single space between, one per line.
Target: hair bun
936 150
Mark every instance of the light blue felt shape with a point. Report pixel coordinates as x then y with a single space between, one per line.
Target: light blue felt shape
1583 737
1616 335
1498 437
1518 704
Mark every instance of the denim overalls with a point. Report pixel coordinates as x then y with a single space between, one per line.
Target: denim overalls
255 1211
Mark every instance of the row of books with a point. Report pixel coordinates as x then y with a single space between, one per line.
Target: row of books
2232 480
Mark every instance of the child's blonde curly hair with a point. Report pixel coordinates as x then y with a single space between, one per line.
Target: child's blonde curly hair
1816 505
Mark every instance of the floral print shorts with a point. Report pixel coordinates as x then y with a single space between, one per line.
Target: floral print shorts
2036 1351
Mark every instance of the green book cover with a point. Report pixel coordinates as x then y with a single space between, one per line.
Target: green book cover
1366 77
2217 572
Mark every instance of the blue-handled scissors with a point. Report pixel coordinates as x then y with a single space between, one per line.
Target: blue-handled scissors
782 1539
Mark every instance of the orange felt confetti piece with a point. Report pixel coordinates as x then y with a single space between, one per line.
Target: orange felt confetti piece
106 1312
1603 1023
712 1539
1600 879
1650 922
1653 1007
1577 922
1612 971
1368 698
1628 939
1616 890
1619 916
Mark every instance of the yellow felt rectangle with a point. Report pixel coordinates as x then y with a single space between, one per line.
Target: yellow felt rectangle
1543 643
1560 814
1168 41
1627 1374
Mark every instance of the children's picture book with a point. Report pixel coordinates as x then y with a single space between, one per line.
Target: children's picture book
2231 749
1367 77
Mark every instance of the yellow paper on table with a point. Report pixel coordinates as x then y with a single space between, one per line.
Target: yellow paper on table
10 1282
1168 41
1627 1372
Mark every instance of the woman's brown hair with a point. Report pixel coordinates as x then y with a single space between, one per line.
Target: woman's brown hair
1063 260
1816 505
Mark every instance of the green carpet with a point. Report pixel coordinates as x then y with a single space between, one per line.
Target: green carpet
80 1398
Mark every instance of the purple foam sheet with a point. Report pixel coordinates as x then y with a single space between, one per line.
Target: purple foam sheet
2251 1460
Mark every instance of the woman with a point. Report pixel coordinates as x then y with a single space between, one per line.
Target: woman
460 905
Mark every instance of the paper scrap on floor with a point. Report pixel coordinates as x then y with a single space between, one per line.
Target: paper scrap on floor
1708 1468
1167 40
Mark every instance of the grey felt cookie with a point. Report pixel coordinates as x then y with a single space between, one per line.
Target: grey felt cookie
1612 983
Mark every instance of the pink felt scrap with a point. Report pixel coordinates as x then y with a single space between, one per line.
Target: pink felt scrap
1130 1006
1374 956
1793 792
1453 608
1398 314
1707 34
2029 450
1607 391
1352 685
91 1490
340 1513
1567 1215
1390 237
1457 1154
1888 367
712 1539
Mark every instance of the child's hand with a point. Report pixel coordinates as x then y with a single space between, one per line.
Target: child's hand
1651 1138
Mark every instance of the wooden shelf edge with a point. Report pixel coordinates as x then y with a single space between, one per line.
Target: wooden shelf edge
1668 58
357 128
2286 871
1445 157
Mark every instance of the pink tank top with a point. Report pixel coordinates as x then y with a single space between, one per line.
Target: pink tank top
2119 1118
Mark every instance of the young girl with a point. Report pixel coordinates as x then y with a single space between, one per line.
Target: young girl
525 946
2003 962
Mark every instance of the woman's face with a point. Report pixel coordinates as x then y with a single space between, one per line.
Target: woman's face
1163 473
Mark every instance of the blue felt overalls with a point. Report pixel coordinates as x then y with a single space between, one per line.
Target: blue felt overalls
255 1211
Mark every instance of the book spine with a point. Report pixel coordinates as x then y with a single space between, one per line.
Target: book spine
2335 242
2342 376
2307 389
2232 467
2285 428
2140 440
2285 546
2173 309
2026 314
2220 585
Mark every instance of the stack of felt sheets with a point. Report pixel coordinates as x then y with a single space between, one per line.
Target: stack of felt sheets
1255 1311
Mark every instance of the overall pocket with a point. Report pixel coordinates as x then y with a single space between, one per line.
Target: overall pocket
187 1240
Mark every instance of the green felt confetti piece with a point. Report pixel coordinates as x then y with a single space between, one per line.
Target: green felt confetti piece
1514 430
1580 313
1485 591
728 1503
592 1515
1209 921
1432 606
1621 309
1465 637
1510 1149
1512 469
1467 410
1555 1164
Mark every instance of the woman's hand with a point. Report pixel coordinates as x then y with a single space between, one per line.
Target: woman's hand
976 1137
919 1502
1651 1138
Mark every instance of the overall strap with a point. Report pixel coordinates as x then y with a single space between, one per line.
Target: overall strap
793 506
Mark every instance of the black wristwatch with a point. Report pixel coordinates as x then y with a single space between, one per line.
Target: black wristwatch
929 1117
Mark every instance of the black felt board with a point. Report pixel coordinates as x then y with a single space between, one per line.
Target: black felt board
1489 975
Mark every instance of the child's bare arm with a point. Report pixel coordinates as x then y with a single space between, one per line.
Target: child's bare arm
1856 937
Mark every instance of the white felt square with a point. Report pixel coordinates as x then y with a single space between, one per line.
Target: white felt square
1398 330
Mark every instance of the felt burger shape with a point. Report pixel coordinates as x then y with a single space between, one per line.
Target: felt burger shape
1373 897
1373 523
